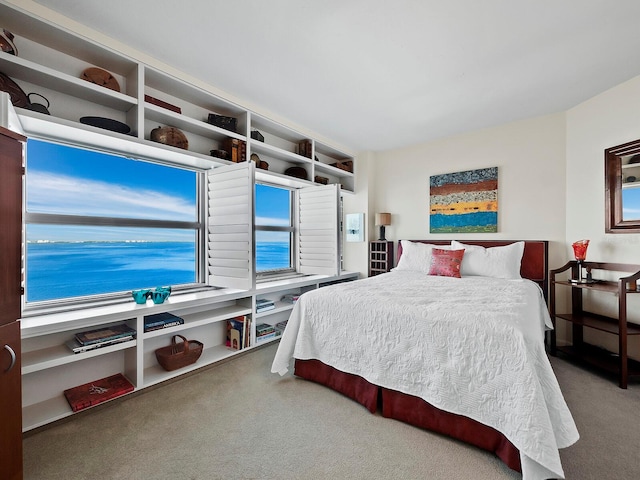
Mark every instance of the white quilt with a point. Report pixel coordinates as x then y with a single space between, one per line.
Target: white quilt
471 346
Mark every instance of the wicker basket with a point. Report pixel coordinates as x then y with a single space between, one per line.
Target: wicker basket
179 354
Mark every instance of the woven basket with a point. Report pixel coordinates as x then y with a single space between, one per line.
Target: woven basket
179 354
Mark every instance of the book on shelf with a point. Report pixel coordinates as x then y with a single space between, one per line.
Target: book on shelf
266 337
159 321
264 304
104 334
264 329
98 391
237 332
76 347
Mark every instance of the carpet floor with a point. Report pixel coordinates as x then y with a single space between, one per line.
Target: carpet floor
237 420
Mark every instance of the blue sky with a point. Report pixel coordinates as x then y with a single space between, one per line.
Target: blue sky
69 180
631 203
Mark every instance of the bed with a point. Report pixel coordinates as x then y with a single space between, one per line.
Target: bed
460 352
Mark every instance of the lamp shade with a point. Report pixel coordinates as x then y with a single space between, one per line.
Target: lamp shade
383 219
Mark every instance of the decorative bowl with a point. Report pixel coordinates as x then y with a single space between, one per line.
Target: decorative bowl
170 136
6 42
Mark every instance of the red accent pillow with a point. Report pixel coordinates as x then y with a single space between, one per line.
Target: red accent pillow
445 263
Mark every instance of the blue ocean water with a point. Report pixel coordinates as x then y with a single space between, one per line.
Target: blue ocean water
272 255
59 270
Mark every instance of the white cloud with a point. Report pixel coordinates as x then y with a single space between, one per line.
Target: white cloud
63 194
278 222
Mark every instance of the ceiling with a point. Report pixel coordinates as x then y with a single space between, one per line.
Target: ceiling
375 75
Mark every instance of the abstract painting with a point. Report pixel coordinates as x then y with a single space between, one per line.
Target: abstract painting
464 202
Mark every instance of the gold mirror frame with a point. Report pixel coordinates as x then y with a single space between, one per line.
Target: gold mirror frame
613 178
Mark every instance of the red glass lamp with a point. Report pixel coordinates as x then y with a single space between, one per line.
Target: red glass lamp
580 252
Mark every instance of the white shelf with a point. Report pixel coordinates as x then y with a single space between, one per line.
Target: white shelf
21 69
280 307
196 96
61 355
45 412
50 410
194 320
262 148
155 373
268 340
168 117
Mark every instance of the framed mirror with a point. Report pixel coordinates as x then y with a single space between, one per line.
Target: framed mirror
622 188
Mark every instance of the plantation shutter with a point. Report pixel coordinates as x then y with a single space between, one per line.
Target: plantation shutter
230 235
318 230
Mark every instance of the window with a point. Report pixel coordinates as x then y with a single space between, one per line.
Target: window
274 230
99 224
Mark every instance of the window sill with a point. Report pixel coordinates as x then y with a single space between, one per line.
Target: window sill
34 324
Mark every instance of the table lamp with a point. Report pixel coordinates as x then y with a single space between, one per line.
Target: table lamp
382 220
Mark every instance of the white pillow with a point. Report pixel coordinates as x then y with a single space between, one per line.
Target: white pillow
417 256
496 262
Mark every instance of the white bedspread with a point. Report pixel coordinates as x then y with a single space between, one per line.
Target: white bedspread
471 346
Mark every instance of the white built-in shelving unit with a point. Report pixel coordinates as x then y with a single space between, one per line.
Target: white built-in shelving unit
50 63
49 367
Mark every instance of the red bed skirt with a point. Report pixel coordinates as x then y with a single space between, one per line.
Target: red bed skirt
411 410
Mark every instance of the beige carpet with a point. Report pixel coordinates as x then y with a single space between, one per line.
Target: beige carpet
238 421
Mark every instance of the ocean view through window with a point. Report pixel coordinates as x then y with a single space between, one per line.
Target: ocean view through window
100 224
274 229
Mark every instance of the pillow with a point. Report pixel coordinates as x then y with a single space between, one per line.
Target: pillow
417 256
496 262
446 263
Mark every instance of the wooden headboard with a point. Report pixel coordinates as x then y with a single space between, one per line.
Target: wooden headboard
534 264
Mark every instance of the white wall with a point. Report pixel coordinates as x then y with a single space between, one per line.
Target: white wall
604 121
356 254
530 156
607 120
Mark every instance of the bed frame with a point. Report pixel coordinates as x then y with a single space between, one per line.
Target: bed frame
414 410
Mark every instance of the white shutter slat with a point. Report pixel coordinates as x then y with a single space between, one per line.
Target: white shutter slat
231 274
230 226
229 229
241 254
239 263
234 246
318 230
228 237
227 219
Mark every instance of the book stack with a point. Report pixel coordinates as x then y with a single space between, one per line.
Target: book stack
239 332
264 304
98 391
264 332
101 337
160 321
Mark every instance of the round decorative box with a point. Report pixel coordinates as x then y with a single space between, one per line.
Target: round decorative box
170 136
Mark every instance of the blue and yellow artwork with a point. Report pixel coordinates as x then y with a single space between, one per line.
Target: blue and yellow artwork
464 202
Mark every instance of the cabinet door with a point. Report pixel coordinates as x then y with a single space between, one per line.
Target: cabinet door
11 231
10 403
